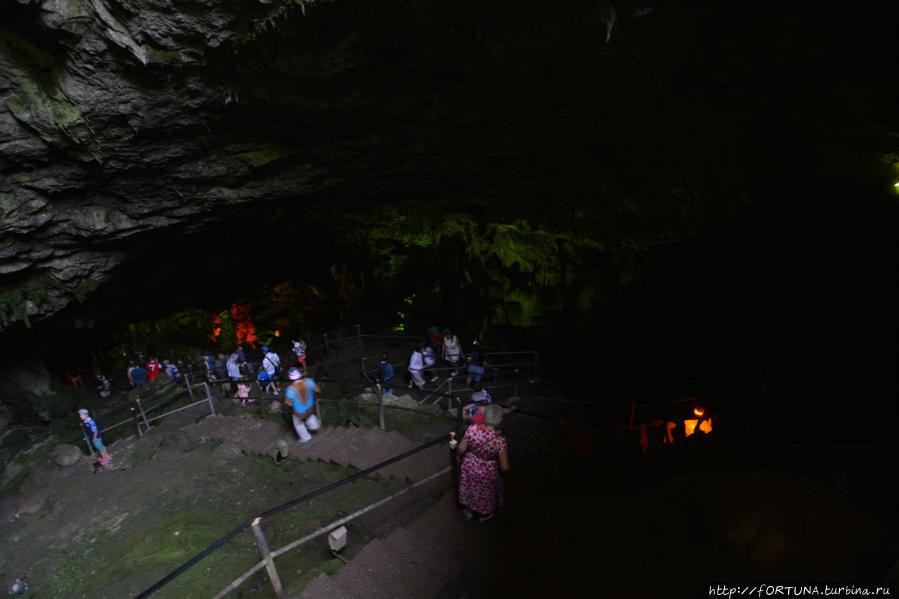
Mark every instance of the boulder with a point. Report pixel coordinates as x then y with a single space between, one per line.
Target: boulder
228 450
66 454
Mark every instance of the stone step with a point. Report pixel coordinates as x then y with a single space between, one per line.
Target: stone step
379 571
433 553
324 587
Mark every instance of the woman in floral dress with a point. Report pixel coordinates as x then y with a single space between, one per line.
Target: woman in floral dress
481 487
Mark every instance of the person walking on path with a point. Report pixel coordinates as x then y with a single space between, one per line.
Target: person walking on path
299 350
139 376
153 369
486 455
301 397
93 434
272 364
416 364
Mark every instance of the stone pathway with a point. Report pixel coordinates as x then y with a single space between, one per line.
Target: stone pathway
414 562
359 448
418 560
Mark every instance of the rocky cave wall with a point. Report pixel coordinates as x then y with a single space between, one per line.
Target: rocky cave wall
557 156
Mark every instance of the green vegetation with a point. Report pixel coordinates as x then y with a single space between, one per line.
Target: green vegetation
119 532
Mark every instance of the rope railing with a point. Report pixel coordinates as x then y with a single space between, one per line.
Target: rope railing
255 521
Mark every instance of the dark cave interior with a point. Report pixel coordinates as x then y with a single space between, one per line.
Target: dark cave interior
711 195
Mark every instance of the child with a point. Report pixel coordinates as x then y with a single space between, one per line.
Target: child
94 434
243 393
299 349
264 379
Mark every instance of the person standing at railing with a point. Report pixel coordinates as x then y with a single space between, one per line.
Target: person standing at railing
429 359
301 397
209 366
476 363
416 364
385 373
93 433
452 351
241 358
233 370
486 455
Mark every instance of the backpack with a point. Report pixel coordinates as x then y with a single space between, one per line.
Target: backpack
300 389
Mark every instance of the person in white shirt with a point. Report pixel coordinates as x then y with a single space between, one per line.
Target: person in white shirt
416 364
271 363
452 350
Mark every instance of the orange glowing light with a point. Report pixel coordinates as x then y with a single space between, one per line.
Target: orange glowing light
277 333
697 411
691 424
216 328
244 328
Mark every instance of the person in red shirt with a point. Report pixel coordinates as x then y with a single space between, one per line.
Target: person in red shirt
153 368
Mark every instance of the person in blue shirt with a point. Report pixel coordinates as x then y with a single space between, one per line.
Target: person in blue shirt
264 381
93 433
385 372
301 396
139 376
171 370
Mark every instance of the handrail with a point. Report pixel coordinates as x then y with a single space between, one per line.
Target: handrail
326 528
284 506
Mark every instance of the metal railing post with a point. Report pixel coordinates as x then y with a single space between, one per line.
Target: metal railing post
143 415
535 365
359 334
325 338
449 394
90 446
209 398
190 391
381 408
459 422
364 372
267 558
516 383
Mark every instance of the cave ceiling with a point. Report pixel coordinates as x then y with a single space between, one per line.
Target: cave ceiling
122 120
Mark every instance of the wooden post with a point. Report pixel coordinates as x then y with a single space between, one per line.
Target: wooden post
142 414
209 397
267 558
381 407
190 391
